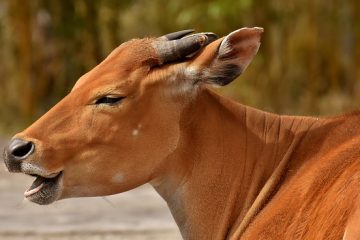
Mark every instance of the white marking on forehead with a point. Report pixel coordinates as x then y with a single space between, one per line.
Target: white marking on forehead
118 178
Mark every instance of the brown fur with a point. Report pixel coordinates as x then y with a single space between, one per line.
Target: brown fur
227 171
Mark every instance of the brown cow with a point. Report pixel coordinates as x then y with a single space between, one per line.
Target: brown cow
226 171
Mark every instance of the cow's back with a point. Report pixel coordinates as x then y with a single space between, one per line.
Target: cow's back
320 191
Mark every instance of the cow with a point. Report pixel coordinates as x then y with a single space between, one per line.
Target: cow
147 114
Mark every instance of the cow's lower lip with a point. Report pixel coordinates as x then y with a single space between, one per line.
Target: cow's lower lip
44 190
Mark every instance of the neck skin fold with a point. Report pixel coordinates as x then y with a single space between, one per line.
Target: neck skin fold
227 165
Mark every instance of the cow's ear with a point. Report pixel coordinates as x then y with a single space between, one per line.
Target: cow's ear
225 59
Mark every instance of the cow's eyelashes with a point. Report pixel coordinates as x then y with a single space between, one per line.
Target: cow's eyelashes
109 100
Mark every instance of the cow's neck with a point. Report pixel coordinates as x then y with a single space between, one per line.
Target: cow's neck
218 178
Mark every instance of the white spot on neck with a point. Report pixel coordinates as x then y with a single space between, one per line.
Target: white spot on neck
135 132
345 237
118 178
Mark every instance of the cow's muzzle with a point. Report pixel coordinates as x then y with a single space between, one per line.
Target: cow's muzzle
17 151
47 186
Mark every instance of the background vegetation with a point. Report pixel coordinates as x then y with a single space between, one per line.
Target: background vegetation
308 62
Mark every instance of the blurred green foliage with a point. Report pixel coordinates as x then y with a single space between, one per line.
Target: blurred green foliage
307 64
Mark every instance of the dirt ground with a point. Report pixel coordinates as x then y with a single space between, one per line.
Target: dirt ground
139 214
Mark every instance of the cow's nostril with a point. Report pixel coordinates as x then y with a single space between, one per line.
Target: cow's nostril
20 148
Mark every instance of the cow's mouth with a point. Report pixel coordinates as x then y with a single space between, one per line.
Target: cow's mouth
44 190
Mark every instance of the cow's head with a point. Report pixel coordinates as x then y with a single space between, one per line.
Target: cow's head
120 122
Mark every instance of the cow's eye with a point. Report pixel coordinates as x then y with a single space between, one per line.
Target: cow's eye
109 100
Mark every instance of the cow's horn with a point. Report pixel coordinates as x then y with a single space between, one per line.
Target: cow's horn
178 49
176 35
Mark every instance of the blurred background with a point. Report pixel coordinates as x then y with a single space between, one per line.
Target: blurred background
308 63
